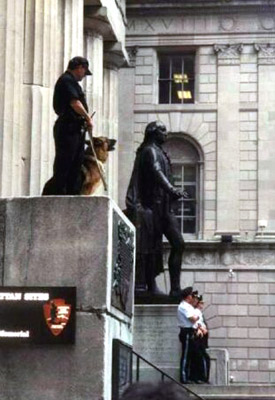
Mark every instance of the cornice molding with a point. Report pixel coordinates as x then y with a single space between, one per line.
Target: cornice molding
165 7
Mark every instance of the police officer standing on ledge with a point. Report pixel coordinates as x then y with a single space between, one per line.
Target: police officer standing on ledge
70 105
186 320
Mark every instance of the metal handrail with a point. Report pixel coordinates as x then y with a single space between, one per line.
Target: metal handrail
163 374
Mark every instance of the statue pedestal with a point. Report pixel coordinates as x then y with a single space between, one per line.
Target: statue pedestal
68 241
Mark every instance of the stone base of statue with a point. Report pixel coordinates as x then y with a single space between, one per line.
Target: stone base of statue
68 241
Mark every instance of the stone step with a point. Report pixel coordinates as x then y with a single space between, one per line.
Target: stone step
235 392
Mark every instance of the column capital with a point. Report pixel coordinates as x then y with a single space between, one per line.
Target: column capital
132 52
115 55
228 54
266 53
96 20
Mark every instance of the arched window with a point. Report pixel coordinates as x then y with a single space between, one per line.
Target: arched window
186 159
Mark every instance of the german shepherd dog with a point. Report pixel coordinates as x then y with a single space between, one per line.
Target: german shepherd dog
91 179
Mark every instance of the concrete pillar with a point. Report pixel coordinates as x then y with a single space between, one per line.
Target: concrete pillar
94 84
11 61
113 60
266 139
228 159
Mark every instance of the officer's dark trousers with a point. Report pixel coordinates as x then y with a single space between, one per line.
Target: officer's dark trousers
69 149
186 337
172 232
200 364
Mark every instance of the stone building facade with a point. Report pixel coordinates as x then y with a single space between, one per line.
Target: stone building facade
226 132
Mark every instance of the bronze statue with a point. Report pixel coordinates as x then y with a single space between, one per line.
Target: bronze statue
148 202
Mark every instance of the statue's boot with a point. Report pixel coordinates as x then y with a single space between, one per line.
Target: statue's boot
175 284
153 288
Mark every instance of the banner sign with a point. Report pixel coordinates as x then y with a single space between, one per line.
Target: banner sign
42 315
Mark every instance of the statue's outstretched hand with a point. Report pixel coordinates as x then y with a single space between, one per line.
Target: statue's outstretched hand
178 194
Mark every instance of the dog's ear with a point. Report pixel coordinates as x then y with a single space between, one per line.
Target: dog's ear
111 144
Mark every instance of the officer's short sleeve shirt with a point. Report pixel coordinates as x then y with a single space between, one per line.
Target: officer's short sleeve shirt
185 311
67 89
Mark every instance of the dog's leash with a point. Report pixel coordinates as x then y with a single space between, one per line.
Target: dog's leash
90 133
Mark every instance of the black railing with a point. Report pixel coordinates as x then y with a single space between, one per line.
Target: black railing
130 367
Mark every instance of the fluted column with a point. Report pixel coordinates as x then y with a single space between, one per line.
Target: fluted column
228 158
94 85
266 138
11 61
113 60
53 34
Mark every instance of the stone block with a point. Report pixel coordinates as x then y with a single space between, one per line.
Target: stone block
247 299
143 89
229 321
144 70
257 376
240 376
267 299
215 287
232 310
205 276
267 365
237 287
258 288
247 276
268 322
259 333
258 310
258 353
224 298
248 321
237 332
238 352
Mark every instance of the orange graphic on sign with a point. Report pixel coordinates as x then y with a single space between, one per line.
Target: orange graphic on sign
57 314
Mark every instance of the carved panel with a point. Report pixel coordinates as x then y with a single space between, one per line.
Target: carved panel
123 262
266 53
228 54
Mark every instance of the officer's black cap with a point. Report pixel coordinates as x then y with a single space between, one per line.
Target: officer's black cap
200 298
186 292
76 61
195 293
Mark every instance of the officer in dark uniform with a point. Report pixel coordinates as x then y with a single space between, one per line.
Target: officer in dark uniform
69 130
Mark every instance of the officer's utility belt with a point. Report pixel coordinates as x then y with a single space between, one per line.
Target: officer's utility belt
69 119
185 330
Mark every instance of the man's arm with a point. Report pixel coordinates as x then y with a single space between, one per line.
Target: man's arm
78 107
154 165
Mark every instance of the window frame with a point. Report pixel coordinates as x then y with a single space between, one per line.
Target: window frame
173 53
199 181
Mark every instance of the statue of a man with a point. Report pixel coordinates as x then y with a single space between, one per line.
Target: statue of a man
148 202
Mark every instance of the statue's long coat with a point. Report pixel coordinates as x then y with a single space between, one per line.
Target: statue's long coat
147 201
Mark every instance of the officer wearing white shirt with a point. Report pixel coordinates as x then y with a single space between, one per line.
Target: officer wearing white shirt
186 320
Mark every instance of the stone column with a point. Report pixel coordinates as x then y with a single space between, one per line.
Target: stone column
113 60
94 84
126 125
266 138
228 159
11 61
